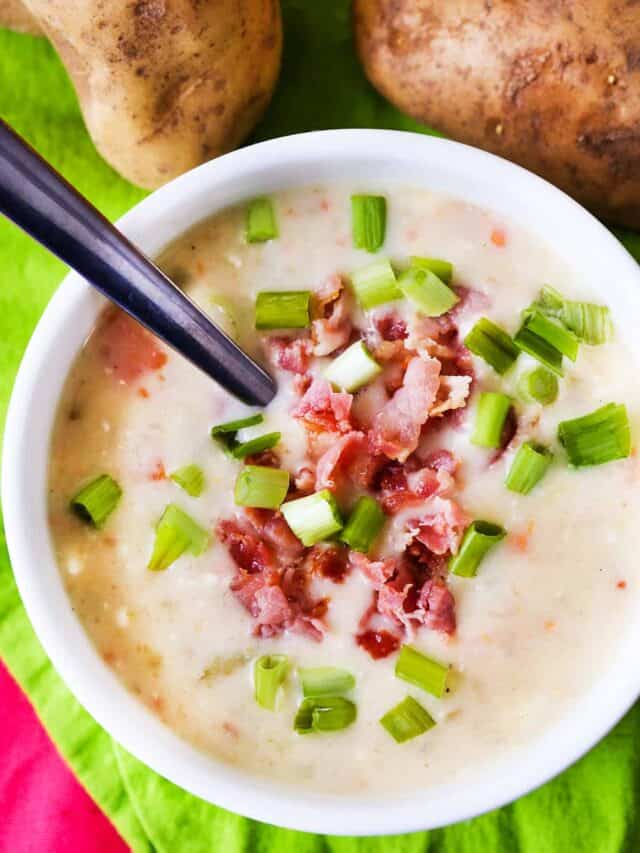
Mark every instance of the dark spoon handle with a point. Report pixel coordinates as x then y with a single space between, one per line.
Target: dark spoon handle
43 204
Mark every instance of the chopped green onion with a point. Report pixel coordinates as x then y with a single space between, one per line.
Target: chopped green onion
97 500
478 540
539 348
314 517
407 720
363 525
176 533
599 437
492 344
352 369
558 336
368 221
538 386
528 467
225 434
427 292
375 284
326 681
550 301
261 487
261 221
269 672
418 669
256 445
443 269
283 309
590 323
324 714
491 414
190 478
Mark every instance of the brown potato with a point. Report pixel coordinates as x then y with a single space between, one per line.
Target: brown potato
166 84
552 84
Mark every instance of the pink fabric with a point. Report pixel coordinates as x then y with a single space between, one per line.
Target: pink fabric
42 806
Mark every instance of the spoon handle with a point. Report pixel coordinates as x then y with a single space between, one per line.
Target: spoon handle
43 204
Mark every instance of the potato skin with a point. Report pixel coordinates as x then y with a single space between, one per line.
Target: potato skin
166 84
552 84
15 16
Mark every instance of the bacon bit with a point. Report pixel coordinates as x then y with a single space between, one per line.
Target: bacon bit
549 625
231 729
331 310
452 394
142 392
390 327
291 354
436 606
442 460
396 428
377 572
333 461
499 238
520 541
621 585
378 644
158 473
441 526
266 458
245 547
127 348
322 409
471 301
328 561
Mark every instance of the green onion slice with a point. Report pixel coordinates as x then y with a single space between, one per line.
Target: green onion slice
539 348
491 414
363 525
492 344
424 672
352 369
326 681
375 284
558 336
427 292
369 221
261 487
538 386
478 540
283 309
269 673
590 323
314 517
407 720
97 500
176 533
190 478
261 222
256 445
324 714
443 269
528 467
596 438
418 669
225 434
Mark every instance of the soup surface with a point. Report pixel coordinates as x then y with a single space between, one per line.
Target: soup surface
523 638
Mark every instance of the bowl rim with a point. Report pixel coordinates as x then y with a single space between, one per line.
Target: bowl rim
269 165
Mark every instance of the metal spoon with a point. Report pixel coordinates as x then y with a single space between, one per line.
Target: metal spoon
43 204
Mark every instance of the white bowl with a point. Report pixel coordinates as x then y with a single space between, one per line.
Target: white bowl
349 155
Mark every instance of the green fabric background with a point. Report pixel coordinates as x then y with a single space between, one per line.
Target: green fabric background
592 807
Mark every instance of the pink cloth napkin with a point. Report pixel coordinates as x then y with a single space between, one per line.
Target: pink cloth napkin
43 809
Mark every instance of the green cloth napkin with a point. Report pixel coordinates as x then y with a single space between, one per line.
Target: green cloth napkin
592 807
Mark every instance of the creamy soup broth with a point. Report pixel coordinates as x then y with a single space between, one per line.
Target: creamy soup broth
534 628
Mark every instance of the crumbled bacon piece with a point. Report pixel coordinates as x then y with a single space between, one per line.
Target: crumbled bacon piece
440 526
390 327
442 460
376 571
328 561
265 458
436 606
331 326
452 394
274 530
127 349
247 550
396 429
291 354
378 644
322 409
336 457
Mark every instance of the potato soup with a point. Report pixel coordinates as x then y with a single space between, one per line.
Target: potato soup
414 559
